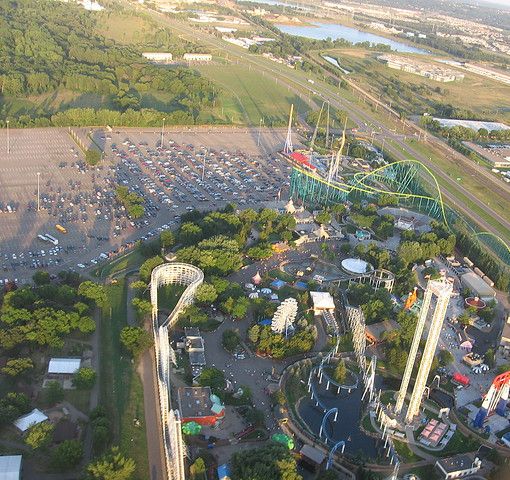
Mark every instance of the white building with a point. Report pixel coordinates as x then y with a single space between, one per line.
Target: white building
458 466
24 422
284 317
197 57
158 57
64 366
322 301
10 467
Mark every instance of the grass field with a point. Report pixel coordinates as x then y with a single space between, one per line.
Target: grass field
481 95
473 185
126 262
120 388
247 96
478 189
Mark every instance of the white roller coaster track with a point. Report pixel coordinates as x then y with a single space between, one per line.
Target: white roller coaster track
192 277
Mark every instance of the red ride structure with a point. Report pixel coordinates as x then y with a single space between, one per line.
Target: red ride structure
496 399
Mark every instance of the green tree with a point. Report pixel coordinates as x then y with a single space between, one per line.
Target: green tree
340 373
53 392
240 308
17 366
197 469
12 406
148 266
206 293
270 462
41 277
92 156
86 325
254 333
136 340
84 378
230 340
112 466
167 239
67 455
323 217
143 307
214 378
39 435
93 291
445 357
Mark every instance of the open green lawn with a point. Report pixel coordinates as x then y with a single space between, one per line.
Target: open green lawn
120 388
479 94
248 96
405 453
468 182
472 184
129 261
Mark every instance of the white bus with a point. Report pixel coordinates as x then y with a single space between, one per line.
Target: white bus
51 238
43 238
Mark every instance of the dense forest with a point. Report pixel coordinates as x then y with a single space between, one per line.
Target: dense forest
48 46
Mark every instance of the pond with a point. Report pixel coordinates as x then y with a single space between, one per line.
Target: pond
321 31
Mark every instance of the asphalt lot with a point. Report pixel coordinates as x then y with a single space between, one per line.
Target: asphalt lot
203 168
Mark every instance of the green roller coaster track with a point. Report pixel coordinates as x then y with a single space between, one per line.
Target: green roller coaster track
403 180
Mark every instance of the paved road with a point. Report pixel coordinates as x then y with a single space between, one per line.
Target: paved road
362 117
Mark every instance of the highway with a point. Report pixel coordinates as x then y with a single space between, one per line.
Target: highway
367 124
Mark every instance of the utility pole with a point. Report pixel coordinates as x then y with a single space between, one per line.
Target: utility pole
258 136
162 132
203 166
38 192
8 140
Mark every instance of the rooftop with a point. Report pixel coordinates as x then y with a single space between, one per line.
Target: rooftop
456 463
64 365
33 418
10 467
195 402
322 300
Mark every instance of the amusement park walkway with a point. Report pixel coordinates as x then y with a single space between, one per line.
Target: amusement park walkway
147 370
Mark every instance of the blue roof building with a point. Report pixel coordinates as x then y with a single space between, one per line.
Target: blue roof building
224 472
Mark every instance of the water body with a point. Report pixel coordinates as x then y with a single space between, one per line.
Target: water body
334 62
321 31
347 426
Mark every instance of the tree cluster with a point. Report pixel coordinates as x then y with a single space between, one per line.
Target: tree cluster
47 46
270 462
277 346
44 315
132 202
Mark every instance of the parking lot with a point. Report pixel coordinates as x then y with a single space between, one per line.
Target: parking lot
202 169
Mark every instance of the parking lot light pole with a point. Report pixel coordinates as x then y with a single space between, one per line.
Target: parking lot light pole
8 140
38 192
162 131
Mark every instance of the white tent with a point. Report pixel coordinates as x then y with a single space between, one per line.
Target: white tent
33 418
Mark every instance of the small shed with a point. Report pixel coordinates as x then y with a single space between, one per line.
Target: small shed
10 467
24 422
312 455
64 366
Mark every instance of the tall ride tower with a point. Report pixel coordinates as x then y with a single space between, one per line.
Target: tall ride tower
289 148
442 290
